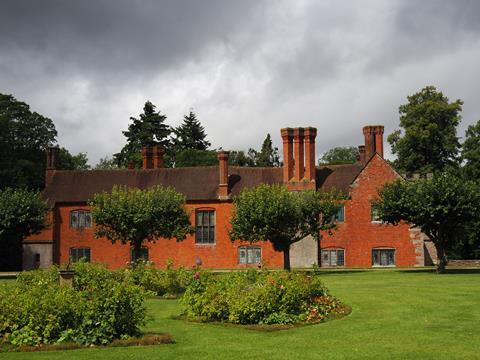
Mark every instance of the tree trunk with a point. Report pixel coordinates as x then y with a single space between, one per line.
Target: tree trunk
286 259
137 252
442 259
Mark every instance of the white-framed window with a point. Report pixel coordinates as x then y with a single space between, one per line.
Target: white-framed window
249 255
80 219
333 257
76 254
383 257
205 227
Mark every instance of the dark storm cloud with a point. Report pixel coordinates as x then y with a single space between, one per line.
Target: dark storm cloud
426 29
125 38
246 67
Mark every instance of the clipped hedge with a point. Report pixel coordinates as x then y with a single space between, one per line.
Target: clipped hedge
100 307
259 297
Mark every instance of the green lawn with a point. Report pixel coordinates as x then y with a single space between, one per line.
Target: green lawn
396 315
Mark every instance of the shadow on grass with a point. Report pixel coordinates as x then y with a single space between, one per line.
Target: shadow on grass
147 339
447 271
346 310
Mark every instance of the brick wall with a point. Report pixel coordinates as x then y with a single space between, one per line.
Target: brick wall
222 254
358 235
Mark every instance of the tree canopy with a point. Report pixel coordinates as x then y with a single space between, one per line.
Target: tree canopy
240 158
131 215
190 134
429 140
146 130
273 213
471 152
22 213
194 157
442 207
68 161
339 155
24 137
266 157
107 163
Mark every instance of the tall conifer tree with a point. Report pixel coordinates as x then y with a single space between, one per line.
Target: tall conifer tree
149 129
190 134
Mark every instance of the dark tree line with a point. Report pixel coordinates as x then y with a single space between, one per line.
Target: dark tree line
24 137
185 145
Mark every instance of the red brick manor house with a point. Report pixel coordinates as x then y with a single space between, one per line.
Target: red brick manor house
360 240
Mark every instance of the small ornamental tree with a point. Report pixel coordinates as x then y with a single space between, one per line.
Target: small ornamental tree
134 216
442 207
22 213
283 217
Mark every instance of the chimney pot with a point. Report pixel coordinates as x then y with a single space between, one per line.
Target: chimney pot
223 174
373 140
52 159
298 149
287 138
361 153
147 156
158 152
310 135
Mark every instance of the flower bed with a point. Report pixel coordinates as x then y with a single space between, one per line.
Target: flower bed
102 306
260 297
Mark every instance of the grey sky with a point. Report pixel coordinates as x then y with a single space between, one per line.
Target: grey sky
245 67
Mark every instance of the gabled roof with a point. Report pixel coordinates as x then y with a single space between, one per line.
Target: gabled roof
338 176
196 183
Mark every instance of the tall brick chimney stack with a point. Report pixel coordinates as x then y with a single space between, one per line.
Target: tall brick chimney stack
147 156
361 153
310 135
379 140
299 157
158 152
52 160
373 140
287 137
223 174
298 153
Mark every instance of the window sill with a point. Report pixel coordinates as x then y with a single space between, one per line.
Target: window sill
384 266
205 244
332 266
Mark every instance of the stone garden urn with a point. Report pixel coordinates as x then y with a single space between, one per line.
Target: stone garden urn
66 277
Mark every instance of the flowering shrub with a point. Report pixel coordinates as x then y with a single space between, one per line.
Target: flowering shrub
100 307
169 282
259 297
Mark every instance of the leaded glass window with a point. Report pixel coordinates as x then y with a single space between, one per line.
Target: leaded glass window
76 254
383 257
333 257
80 219
249 255
205 227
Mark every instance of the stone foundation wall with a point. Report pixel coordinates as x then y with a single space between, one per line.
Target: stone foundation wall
464 263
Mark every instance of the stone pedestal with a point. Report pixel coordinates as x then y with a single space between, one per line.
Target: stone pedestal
66 277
